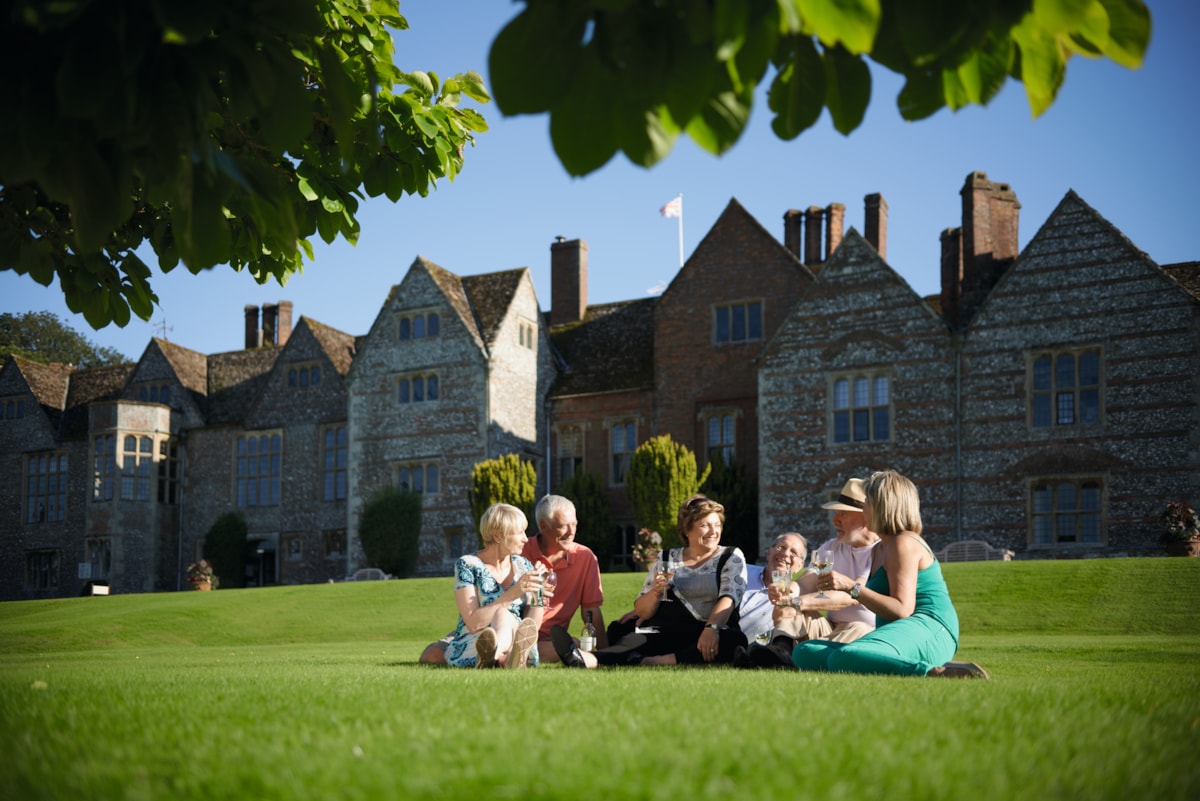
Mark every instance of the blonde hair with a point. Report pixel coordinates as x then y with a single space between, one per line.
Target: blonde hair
895 504
499 521
696 508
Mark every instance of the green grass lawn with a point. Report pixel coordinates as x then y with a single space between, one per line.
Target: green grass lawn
314 692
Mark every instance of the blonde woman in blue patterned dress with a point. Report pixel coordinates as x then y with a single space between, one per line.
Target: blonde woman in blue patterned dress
496 623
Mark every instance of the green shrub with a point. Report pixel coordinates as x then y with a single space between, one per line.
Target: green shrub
662 475
732 488
225 548
596 527
505 479
390 530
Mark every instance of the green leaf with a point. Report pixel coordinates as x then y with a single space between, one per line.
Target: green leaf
847 88
1060 16
534 59
721 121
1128 31
922 96
729 27
648 140
797 94
1042 64
583 126
852 23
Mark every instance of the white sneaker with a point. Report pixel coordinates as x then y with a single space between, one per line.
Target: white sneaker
485 648
524 641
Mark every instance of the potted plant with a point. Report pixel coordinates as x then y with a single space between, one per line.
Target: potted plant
1181 529
200 576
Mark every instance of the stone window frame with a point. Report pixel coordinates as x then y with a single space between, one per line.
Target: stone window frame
404 387
303 375
338 472
618 460
98 555
12 408
154 392
333 541
454 542
412 321
427 468
243 475
42 568
1044 522
1055 394
136 467
104 466
45 490
563 433
853 406
527 333
724 316
728 417
169 470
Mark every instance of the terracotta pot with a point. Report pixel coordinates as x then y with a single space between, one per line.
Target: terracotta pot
202 586
1184 547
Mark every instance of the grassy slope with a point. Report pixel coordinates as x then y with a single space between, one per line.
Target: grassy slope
310 692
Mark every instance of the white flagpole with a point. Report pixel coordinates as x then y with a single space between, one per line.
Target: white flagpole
681 230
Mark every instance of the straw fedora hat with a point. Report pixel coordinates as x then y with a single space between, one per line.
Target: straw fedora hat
851 499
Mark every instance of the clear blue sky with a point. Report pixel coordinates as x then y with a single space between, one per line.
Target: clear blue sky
1124 140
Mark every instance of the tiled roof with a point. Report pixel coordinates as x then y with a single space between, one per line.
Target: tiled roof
490 296
190 366
610 350
92 386
452 287
47 382
338 345
234 380
1187 275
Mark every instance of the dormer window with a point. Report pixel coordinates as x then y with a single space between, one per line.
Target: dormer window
418 326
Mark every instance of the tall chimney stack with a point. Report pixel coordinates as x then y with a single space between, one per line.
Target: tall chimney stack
812 235
252 332
270 315
284 325
835 215
875 226
568 281
793 228
952 268
990 216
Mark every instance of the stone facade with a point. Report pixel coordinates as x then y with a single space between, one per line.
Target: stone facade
1046 401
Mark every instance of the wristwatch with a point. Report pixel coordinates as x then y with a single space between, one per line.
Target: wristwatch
712 626
856 590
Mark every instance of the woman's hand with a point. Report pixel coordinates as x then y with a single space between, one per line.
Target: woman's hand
529 582
833 580
708 643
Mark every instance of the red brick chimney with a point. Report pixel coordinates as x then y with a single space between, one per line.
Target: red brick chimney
270 317
252 333
875 225
982 249
284 326
812 235
952 265
793 228
568 281
835 215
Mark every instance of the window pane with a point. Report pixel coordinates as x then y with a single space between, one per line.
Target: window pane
402 395
739 323
727 424
432 387
1089 406
1064 371
1043 499
418 389
418 479
841 394
431 327
722 333
841 426
405 328
881 391
1041 410
862 431
316 376
418 327
1041 373
431 478
714 430
861 392
402 478
882 424
1089 369
754 321
304 378
1066 408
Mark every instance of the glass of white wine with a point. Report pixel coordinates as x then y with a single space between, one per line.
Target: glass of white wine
822 560
549 581
782 579
666 567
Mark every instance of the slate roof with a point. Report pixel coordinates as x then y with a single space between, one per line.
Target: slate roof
92 386
1187 275
452 287
610 350
234 381
490 296
47 382
339 346
190 366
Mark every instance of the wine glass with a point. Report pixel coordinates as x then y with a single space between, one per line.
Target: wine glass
666 568
822 560
782 579
549 581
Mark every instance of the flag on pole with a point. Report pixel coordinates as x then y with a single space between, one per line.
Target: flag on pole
674 208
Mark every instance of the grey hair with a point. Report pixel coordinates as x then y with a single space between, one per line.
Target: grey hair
548 507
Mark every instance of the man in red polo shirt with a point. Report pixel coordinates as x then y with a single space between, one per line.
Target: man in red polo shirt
574 565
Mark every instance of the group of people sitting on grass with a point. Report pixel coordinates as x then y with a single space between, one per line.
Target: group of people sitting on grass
882 606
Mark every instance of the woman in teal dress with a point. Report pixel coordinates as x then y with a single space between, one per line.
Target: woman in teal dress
917 628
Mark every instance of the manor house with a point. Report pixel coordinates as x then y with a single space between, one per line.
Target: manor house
1047 401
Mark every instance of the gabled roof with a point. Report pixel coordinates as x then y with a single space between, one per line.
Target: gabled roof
452 287
490 296
92 386
338 345
610 350
47 382
190 366
234 380
1187 275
